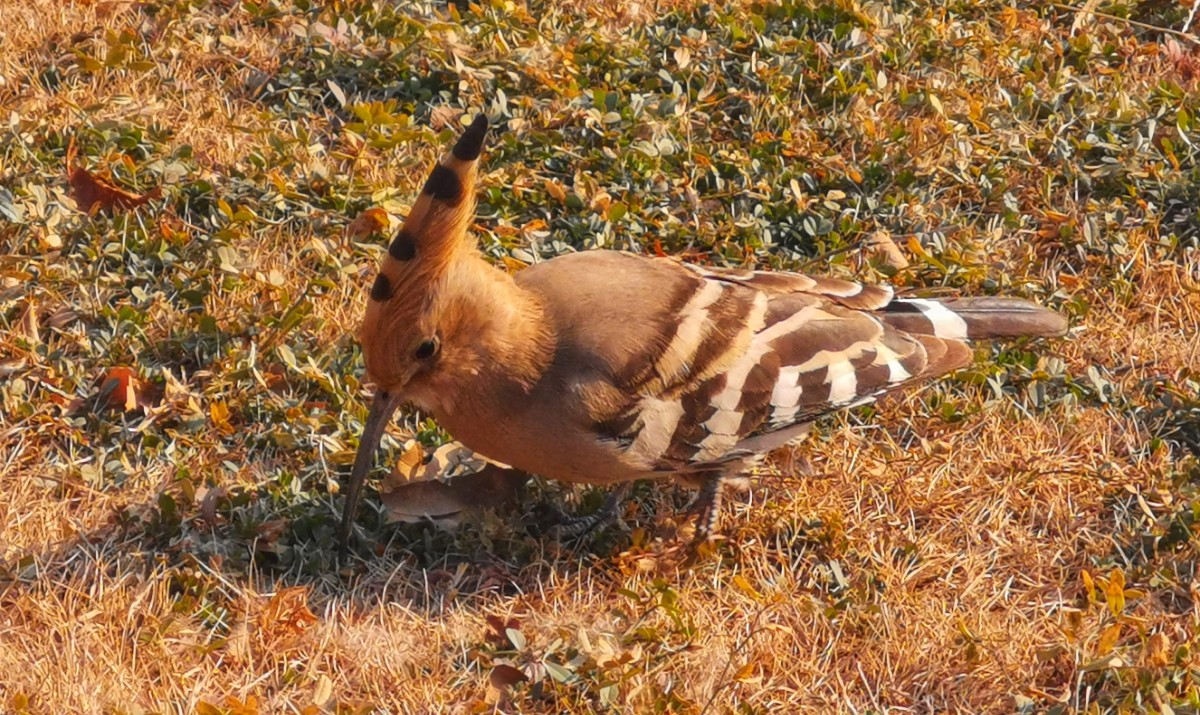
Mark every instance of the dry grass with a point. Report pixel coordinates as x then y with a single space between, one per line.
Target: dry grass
933 554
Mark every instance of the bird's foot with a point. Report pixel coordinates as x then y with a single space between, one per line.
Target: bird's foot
707 509
577 527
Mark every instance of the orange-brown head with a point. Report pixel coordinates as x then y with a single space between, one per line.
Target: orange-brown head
420 329
402 334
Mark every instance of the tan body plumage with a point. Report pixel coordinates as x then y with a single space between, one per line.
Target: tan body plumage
606 367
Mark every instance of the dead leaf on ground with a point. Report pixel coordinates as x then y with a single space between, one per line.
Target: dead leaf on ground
92 193
444 116
368 222
881 246
209 498
498 629
29 324
286 614
1158 650
118 389
506 676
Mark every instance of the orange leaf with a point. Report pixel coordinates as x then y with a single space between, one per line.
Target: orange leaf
119 389
1158 650
237 707
368 222
555 189
1108 639
92 193
287 613
1114 592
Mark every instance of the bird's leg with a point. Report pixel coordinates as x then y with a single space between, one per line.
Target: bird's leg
579 526
707 507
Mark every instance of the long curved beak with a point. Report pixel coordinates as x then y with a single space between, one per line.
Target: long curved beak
382 408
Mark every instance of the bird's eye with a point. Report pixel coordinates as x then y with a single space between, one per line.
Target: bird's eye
427 349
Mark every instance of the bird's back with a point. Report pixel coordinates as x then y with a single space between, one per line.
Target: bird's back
669 368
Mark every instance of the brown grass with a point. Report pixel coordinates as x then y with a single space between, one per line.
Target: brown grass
924 565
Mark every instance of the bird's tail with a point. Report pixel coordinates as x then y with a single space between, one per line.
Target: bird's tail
973 318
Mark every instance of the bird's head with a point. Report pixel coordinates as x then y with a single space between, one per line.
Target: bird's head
418 328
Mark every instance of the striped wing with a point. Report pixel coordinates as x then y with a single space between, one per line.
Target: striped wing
755 353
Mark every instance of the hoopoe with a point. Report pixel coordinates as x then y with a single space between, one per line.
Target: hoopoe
605 367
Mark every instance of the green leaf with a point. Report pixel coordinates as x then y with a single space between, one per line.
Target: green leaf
558 672
516 638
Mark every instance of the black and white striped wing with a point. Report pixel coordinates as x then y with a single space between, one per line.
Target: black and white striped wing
756 353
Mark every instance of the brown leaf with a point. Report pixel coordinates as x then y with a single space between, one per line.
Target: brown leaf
444 116
883 248
92 193
506 676
269 531
498 629
368 222
208 503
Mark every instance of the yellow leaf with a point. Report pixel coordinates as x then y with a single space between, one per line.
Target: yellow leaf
219 413
745 673
1108 639
1089 586
205 708
745 587
513 265
914 245
1114 592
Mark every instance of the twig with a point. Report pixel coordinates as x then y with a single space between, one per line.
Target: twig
1144 25
1191 15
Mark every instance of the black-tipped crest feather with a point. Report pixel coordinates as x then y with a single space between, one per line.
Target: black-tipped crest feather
470 144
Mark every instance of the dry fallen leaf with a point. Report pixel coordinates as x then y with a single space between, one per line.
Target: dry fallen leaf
444 116
286 614
29 324
1158 650
368 222
555 189
498 629
92 193
506 676
882 247
118 389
